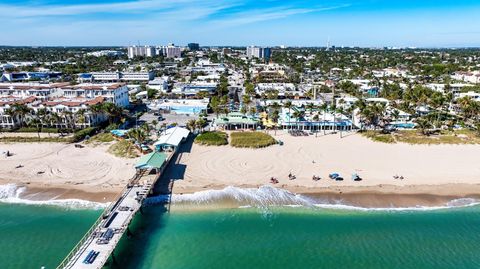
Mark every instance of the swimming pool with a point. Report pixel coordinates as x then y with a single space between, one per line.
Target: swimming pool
186 109
404 125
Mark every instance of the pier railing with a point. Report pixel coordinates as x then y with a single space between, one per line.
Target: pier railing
90 231
74 253
87 235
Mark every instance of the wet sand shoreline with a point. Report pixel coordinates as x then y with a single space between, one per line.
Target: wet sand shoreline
368 196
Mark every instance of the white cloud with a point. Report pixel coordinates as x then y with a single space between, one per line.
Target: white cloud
269 14
16 11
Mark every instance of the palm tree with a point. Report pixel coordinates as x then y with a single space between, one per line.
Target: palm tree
79 117
275 116
215 105
191 125
146 128
42 115
333 108
275 106
199 124
11 113
340 111
246 100
470 109
437 101
113 111
423 124
316 118
243 110
395 114
20 111
298 114
311 107
67 115
324 107
137 134
288 105
37 124
54 117
155 123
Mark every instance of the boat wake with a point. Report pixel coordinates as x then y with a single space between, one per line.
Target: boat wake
267 196
12 194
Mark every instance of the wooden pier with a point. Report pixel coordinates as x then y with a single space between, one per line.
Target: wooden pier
98 244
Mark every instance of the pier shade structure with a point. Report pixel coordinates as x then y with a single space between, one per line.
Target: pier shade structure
98 244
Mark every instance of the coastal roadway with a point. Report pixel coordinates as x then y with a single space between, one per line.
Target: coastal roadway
94 249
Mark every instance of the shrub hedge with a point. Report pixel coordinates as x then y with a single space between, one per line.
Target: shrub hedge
212 139
251 140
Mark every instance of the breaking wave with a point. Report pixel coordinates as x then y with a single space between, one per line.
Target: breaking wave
267 196
259 197
12 194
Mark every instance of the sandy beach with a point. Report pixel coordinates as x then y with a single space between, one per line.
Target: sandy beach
63 171
439 169
432 174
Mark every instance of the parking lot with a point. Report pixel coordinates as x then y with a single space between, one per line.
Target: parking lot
168 119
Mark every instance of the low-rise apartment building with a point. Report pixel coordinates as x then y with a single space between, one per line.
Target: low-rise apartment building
62 99
116 76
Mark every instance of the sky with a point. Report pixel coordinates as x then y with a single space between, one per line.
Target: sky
364 23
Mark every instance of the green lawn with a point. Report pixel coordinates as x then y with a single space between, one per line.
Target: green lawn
251 140
100 139
123 149
18 139
212 139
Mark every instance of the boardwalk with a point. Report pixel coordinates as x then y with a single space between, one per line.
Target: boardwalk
100 241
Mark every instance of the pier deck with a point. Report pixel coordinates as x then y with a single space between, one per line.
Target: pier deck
105 234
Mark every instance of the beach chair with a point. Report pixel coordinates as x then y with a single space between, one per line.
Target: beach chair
334 175
87 259
356 177
93 257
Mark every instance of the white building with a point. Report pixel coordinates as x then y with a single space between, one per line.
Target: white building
60 98
470 77
117 76
254 52
140 51
25 90
170 51
159 84
116 93
25 76
194 88
108 53
473 95
455 88
281 89
258 52
171 139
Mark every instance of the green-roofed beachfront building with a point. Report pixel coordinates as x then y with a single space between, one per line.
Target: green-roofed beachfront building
152 161
237 120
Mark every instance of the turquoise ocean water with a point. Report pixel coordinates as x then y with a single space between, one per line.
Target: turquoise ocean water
253 237
32 236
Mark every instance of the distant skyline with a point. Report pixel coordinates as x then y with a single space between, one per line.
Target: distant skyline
364 23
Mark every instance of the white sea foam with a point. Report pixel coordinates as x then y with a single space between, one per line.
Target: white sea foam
267 196
259 197
11 194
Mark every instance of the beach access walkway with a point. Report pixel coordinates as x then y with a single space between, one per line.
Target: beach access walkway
98 244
